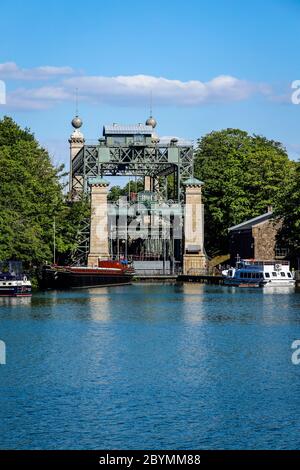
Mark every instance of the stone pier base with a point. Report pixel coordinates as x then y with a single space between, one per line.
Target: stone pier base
194 263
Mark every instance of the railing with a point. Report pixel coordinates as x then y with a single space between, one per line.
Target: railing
145 257
156 272
264 262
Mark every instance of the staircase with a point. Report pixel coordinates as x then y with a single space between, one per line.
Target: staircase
220 259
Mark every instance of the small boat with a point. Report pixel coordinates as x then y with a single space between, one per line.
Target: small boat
14 285
259 273
107 273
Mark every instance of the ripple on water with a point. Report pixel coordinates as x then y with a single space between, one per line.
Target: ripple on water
150 366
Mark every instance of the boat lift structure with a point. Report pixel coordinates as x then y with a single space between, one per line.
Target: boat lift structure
167 171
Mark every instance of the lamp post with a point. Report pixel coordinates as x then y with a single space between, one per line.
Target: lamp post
54 240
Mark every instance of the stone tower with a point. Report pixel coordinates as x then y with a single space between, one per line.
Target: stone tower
194 259
99 247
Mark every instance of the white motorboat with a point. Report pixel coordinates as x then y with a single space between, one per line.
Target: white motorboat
259 273
14 285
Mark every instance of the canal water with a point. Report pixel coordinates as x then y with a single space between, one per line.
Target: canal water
151 367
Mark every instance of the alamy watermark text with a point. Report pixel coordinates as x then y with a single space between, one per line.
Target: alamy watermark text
2 353
2 92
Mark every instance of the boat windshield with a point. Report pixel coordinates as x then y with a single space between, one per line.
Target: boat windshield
251 275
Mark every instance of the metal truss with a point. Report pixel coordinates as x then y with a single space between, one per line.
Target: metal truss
131 161
138 161
80 253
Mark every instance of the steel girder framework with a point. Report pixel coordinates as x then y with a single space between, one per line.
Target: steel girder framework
139 161
132 161
80 253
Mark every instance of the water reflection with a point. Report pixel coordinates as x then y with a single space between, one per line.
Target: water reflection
193 299
222 304
99 305
15 301
210 365
279 290
152 303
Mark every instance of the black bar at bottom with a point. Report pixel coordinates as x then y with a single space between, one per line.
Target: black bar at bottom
137 459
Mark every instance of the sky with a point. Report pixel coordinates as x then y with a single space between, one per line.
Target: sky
209 65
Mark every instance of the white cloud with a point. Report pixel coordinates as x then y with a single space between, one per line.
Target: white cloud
2 92
135 89
122 90
10 70
37 98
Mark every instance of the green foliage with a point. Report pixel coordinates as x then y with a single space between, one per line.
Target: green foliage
243 174
288 209
10 133
116 192
68 225
31 195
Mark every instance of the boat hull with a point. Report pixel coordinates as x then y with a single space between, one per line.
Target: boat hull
60 279
15 291
238 283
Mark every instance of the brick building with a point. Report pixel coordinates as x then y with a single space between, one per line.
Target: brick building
256 239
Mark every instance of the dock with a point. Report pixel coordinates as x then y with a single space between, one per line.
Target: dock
202 279
156 278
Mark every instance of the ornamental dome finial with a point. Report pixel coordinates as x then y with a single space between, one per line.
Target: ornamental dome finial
76 122
151 122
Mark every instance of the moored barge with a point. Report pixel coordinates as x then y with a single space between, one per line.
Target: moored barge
107 273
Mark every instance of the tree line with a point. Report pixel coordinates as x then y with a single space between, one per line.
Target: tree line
243 174
32 196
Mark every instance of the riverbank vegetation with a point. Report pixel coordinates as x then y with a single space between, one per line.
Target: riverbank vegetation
32 196
288 209
243 174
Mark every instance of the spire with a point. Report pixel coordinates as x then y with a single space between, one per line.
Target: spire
76 121
76 102
151 121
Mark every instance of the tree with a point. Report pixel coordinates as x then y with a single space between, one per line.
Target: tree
116 192
242 175
288 209
10 133
31 195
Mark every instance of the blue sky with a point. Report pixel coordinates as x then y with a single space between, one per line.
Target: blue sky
209 65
